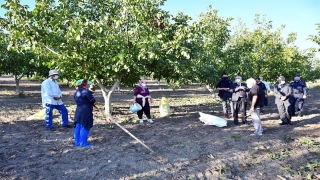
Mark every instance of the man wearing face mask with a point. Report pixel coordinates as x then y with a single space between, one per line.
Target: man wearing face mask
264 91
299 90
282 92
51 98
223 86
239 100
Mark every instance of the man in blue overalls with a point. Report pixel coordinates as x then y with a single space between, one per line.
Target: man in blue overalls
299 93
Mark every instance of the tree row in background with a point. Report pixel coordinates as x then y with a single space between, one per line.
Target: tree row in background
118 41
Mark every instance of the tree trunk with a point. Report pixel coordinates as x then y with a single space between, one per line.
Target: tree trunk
17 85
107 94
107 98
17 80
211 90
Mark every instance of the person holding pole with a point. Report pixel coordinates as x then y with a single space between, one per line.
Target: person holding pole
83 117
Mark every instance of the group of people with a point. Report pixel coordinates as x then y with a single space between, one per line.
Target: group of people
238 93
83 118
255 92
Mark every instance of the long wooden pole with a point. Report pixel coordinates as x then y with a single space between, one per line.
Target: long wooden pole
124 129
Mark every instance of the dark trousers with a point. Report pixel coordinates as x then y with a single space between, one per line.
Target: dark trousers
285 111
239 106
266 103
145 109
224 105
300 104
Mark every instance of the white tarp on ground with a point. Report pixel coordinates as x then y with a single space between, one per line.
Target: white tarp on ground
212 120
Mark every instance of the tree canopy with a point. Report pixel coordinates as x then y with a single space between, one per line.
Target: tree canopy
113 41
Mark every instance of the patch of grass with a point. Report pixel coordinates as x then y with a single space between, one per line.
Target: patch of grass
305 171
254 148
21 95
221 170
110 127
236 138
125 120
288 138
306 141
210 156
255 162
56 123
280 156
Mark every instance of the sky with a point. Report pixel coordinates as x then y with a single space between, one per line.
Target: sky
298 16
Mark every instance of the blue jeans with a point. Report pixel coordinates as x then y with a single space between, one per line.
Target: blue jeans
81 136
61 109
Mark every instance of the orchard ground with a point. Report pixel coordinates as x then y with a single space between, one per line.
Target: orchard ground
185 147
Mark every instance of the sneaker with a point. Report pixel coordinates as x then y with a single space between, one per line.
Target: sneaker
141 121
255 134
150 121
300 114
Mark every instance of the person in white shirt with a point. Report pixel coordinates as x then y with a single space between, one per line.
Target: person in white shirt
51 98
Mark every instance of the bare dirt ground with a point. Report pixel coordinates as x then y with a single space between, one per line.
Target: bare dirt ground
185 147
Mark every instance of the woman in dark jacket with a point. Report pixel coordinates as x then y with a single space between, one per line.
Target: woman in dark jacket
83 118
142 96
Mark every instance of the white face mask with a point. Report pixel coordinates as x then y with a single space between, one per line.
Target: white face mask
282 82
143 84
55 77
238 81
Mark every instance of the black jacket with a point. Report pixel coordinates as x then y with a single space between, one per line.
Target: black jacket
224 84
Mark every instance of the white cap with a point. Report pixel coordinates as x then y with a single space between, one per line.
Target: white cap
52 72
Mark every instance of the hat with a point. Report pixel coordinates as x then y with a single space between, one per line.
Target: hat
52 72
297 75
79 82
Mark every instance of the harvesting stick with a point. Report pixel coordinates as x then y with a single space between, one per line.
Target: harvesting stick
124 129
158 158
